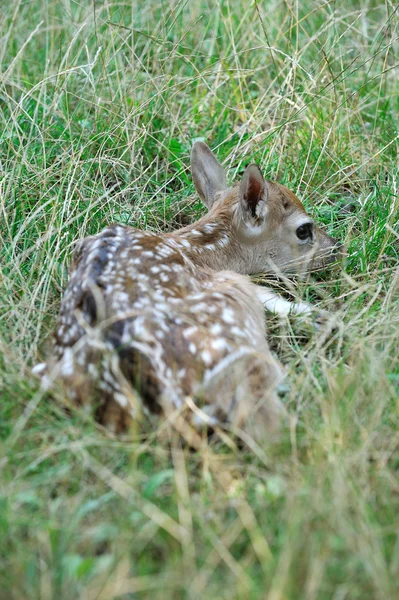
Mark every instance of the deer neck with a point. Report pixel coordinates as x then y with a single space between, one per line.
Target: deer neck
210 242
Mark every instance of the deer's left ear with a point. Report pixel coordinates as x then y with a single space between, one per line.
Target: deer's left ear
253 196
208 174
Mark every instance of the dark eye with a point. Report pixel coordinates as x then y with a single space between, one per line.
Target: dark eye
305 231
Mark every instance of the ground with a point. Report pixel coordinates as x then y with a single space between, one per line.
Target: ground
100 103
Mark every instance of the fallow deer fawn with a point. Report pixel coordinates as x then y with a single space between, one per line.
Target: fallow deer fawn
171 322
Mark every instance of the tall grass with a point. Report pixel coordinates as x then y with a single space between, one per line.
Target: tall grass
99 105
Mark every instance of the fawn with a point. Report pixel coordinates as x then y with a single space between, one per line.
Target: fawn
172 323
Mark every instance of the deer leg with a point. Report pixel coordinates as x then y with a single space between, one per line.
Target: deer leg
278 305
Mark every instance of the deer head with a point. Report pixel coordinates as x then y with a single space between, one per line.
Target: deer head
268 227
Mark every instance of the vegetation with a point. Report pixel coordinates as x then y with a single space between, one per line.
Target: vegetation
99 105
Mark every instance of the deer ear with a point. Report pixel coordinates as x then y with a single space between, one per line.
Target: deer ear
253 196
208 174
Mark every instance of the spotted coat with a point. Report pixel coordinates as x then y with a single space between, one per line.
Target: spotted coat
143 328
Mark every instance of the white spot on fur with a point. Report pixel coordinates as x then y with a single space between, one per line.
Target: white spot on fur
67 363
206 357
190 331
216 329
200 307
123 297
165 251
228 315
237 331
224 240
219 344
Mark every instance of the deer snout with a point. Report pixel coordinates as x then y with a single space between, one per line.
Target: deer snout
334 252
327 251
338 248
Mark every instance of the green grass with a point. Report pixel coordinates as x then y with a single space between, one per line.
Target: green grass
98 112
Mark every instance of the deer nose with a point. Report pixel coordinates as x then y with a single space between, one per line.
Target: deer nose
337 251
339 247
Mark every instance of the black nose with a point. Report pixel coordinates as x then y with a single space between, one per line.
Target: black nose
339 248
337 252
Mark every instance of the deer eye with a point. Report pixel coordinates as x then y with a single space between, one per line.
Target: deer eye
305 231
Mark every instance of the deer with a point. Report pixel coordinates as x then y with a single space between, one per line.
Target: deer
172 324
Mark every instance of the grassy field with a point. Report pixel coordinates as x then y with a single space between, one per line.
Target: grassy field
99 105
